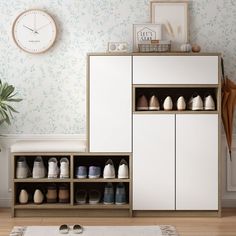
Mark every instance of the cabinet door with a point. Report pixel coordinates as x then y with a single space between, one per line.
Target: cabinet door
197 162
153 162
175 69
110 104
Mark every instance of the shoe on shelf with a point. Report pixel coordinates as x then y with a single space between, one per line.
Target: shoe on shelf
108 194
195 103
209 104
23 197
120 194
39 170
64 168
109 170
64 194
123 170
181 104
53 169
168 104
154 104
81 196
94 172
22 168
38 197
94 197
142 104
81 172
51 195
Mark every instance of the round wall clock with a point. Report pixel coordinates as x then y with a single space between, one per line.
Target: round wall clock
34 31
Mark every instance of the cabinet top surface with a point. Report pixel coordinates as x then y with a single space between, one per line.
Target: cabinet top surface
156 54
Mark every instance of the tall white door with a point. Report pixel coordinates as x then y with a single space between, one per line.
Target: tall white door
153 162
197 162
110 109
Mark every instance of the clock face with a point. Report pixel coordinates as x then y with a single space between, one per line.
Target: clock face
34 31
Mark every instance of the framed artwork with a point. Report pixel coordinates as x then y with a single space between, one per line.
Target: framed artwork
173 15
145 32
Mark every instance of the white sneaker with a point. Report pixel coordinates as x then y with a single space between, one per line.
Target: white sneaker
123 170
168 104
195 103
53 169
209 103
22 168
39 170
109 170
181 104
64 168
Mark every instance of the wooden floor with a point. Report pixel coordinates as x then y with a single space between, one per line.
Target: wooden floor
225 226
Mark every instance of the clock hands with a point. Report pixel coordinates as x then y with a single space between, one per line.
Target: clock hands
43 26
34 31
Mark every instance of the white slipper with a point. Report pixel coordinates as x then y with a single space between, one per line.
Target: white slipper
64 229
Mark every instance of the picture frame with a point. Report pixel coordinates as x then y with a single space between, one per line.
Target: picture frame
145 33
173 15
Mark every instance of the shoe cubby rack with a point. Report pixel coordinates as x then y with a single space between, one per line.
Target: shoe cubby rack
72 208
161 91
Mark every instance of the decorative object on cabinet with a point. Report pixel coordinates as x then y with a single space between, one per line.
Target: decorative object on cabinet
145 33
155 46
34 31
173 15
186 47
117 47
196 48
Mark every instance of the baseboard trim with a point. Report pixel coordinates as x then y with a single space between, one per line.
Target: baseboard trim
229 203
5 202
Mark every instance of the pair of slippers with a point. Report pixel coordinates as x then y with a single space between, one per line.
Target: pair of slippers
64 229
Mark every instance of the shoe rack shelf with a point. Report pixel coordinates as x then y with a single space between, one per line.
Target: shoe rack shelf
161 91
71 208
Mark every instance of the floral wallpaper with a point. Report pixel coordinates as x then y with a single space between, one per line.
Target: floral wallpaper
52 84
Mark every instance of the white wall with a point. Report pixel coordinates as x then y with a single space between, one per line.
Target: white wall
52 85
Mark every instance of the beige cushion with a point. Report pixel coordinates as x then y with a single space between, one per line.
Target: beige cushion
49 146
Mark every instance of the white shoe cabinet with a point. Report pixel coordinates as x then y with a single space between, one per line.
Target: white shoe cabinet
175 154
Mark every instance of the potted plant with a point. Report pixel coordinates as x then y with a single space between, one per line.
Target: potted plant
7 96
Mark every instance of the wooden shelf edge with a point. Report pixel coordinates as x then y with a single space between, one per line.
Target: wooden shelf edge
101 180
69 206
174 112
44 180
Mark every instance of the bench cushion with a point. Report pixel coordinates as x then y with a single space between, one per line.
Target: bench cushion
49 146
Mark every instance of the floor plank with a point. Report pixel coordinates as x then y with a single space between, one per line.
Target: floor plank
194 226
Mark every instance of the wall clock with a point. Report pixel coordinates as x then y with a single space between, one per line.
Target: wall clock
34 31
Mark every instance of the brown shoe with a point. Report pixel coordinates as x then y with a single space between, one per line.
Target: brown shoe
154 104
142 104
64 194
51 194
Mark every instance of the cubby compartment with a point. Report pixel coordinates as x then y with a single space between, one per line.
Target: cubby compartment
98 195
98 160
29 159
41 194
174 92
